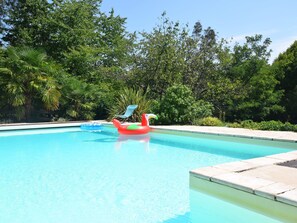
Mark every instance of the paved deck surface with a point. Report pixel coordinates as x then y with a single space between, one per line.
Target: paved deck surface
259 176
273 135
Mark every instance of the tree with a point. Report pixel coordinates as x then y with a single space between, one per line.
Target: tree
159 58
202 50
257 96
69 30
23 22
285 67
106 58
80 100
93 47
27 80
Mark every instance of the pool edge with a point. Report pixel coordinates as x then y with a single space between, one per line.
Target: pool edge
228 134
276 210
43 125
234 176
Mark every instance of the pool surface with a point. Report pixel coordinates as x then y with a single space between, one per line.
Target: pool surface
73 176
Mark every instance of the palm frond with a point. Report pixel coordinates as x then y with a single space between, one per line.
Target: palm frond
128 97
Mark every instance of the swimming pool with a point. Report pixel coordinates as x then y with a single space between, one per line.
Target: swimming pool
72 176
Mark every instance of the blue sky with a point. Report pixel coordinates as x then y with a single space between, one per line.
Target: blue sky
276 19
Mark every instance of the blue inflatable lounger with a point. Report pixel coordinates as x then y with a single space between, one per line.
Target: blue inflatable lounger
91 126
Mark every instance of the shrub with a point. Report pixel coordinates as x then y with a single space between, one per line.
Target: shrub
129 97
270 125
202 109
234 125
209 121
79 99
178 106
265 125
249 124
277 126
289 127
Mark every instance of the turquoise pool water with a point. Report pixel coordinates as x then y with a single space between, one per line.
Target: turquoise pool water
71 176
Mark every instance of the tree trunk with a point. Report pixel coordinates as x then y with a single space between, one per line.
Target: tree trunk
28 108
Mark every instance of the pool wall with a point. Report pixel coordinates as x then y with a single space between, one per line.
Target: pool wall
277 210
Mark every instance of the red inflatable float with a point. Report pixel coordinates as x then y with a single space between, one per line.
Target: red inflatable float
135 129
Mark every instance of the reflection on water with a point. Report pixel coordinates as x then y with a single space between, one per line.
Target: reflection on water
143 140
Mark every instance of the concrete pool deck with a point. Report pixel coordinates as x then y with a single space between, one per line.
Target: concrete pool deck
272 188
237 132
260 176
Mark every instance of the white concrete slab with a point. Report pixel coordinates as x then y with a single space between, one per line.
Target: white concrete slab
275 173
272 190
241 182
263 161
236 166
279 135
284 156
208 172
289 197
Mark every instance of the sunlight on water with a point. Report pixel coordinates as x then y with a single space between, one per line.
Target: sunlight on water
76 177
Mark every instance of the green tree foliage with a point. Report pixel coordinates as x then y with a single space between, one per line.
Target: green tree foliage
159 58
221 92
80 100
70 31
22 22
26 79
93 47
285 67
56 26
188 75
256 97
208 60
180 107
202 50
209 121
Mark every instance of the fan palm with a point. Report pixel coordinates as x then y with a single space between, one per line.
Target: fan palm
26 77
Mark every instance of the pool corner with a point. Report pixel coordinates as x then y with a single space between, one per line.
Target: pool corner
255 184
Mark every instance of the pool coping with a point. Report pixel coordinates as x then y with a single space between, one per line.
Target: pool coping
42 125
229 174
233 174
282 136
